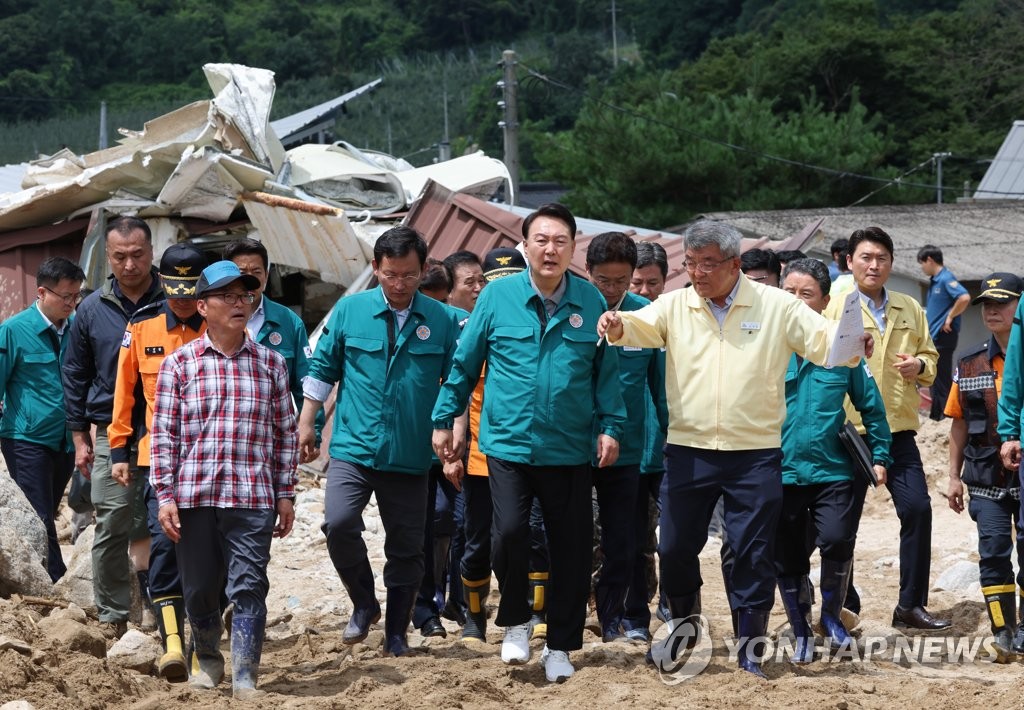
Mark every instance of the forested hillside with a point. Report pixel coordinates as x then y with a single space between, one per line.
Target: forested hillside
705 105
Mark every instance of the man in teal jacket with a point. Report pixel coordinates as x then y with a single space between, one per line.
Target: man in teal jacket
548 376
611 258
818 475
388 349
34 436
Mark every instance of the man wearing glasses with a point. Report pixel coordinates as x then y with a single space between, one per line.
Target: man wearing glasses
90 371
224 452
728 343
548 377
388 349
34 437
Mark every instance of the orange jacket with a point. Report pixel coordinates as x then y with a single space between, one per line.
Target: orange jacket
153 333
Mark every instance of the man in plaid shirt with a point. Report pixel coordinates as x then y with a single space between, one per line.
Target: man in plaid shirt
224 451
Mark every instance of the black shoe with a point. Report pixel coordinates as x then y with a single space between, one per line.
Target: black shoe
358 581
433 627
453 611
918 618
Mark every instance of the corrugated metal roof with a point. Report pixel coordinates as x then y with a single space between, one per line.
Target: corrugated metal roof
297 122
449 222
11 177
976 238
1004 178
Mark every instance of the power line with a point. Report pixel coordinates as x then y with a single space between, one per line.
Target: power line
887 182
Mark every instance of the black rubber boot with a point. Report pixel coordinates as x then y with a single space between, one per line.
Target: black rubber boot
358 581
476 592
1001 607
170 613
679 610
752 627
835 578
246 650
207 659
1018 636
396 620
609 602
796 599
442 545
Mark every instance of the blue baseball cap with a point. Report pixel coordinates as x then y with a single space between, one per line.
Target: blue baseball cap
222 273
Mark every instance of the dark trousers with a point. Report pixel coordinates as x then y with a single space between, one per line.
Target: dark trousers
225 549
829 509
42 474
616 488
998 523
540 561
945 343
638 611
564 495
476 561
439 522
402 504
457 549
164 579
751 484
906 484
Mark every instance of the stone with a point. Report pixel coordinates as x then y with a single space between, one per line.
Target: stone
135 651
12 644
71 635
957 578
76 584
23 546
18 705
73 612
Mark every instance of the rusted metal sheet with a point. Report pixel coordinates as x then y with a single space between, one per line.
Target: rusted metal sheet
22 252
322 243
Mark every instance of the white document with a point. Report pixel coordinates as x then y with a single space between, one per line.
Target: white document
848 343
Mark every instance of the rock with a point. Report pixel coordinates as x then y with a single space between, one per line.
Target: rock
957 578
71 635
73 612
23 546
13 644
76 584
135 651
18 705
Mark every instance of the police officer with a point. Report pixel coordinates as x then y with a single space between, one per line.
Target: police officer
974 462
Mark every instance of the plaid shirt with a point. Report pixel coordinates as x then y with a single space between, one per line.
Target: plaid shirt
224 431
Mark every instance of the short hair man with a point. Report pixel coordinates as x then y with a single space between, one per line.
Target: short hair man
467 279
611 259
761 265
906 358
838 264
974 462
651 270
34 436
388 349
436 281
547 377
156 331
89 375
729 342
818 475
947 299
224 452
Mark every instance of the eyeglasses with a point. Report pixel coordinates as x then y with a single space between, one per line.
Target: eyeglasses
72 299
395 278
233 298
605 282
759 279
705 267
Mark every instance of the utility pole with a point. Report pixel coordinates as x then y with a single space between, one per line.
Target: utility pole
510 124
444 149
103 125
615 37
937 157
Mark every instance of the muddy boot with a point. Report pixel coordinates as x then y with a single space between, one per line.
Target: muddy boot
170 612
358 581
835 578
246 649
396 620
208 663
609 602
538 605
796 599
1001 607
752 627
684 628
476 608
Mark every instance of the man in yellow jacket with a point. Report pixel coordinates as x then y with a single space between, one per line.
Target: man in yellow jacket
728 344
904 357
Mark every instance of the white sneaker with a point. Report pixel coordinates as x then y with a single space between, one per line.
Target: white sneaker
556 664
515 648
